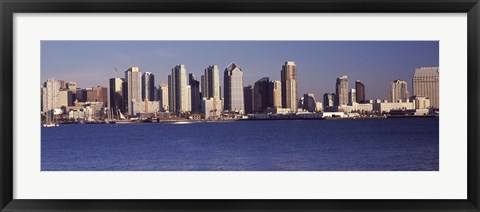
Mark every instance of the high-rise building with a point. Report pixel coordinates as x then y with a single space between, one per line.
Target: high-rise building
134 87
177 84
50 92
148 86
328 100
196 103
211 82
248 99
289 86
261 95
360 91
399 91
63 84
309 102
233 80
276 93
116 95
341 91
352 96
163 97
102 94
425 83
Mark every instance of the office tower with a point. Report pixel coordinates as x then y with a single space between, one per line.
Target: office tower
63 84
81 95
63 98
341 91
189 98
163 97
289 86
177 84
102 94
309 102
233 85
328 100
72 86
50 91
211 82
276 93
352 96
399 91
360 91
196 104
212 107
148 86
134 87
116 95
425 83
248 99
261 95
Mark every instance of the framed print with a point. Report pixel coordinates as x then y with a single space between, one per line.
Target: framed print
265 105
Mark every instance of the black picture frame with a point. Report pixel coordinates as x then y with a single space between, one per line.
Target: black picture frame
9 7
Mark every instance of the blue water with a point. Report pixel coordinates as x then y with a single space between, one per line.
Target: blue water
310 145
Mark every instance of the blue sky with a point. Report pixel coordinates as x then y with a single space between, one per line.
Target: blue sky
319 63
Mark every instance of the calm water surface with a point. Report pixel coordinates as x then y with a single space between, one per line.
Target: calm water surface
316 145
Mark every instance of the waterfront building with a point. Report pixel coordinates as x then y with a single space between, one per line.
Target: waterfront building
72 86
212 107
359 91
196 104
341 91
134 87
356 107
145 107
309 103
211 82
276 93
148 86
289 86
426 83
421 102
248 99
163 97
328 100
318 106
98 94
50 92
189 98
352 97
233 85
399 91
385 106
116 102
261 95
177 84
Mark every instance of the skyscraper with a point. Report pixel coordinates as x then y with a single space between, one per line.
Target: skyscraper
233 85
360 91
195 93
50 92
116 95
309 102
425 83
148 86
211 82
177 84
163 97
399 91
352 96
248 99
276 93
328 100
134 87
289 86
261 95
341 91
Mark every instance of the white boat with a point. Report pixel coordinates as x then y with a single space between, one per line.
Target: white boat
51 125
181 122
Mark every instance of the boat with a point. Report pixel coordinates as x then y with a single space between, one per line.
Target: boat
181 122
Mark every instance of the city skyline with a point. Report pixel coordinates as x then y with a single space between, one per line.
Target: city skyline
375 64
